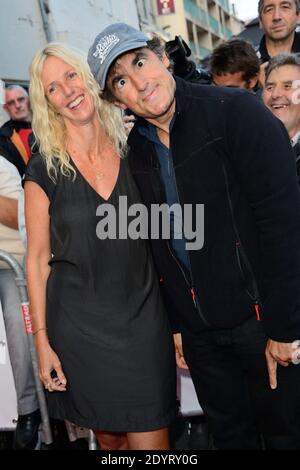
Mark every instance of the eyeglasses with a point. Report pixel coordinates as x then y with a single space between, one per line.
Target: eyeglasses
17 101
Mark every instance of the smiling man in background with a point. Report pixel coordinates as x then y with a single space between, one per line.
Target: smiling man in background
281 95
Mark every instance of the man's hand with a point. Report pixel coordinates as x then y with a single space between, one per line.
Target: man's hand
262 74
281 353
180 361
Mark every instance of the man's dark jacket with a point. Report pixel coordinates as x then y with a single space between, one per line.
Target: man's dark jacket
7 148
296 150
262 51
233 156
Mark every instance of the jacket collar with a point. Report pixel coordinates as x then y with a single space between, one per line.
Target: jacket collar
263 51
7 129
181 93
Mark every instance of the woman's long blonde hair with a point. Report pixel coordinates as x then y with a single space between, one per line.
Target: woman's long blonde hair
48 126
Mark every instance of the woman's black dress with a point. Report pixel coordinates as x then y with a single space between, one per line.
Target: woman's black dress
104 313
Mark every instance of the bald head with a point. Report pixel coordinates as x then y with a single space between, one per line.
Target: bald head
17 103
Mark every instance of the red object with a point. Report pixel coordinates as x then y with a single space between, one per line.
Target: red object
24 134
257 311
27 318
193 296
165 7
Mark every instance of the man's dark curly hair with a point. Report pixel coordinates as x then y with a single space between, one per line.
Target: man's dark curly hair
235 55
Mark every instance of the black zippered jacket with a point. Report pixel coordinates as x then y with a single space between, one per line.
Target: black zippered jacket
262 51
233 156
7 148
296 150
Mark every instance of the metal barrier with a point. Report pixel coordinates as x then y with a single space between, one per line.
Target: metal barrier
21 283
72 430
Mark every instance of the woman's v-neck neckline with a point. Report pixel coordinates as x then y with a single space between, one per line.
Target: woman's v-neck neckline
91 186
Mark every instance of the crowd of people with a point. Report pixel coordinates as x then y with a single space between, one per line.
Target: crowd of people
112 313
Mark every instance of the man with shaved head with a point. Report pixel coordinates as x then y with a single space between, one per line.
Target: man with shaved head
15 133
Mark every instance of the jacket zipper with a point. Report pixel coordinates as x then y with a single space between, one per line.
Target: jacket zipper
191 287
257 310
169 248
255 297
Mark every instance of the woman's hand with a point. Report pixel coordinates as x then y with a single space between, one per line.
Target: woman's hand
128 123
180 361
278 353
50 371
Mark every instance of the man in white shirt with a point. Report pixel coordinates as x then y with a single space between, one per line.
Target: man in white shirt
26 435
15 134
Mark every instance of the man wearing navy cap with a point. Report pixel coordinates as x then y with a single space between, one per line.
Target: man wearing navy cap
236 301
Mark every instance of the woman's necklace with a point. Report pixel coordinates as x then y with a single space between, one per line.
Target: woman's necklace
99 174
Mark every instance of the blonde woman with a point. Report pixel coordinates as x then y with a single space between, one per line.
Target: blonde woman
101 333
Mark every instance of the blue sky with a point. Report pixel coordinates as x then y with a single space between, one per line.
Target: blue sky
246 9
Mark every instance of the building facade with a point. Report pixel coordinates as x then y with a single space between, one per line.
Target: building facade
26 26
203 24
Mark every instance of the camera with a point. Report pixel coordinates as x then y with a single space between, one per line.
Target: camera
179 51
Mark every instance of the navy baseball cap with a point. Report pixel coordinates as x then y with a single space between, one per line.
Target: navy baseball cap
112 42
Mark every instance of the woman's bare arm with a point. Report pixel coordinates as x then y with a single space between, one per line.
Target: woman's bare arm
38 257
